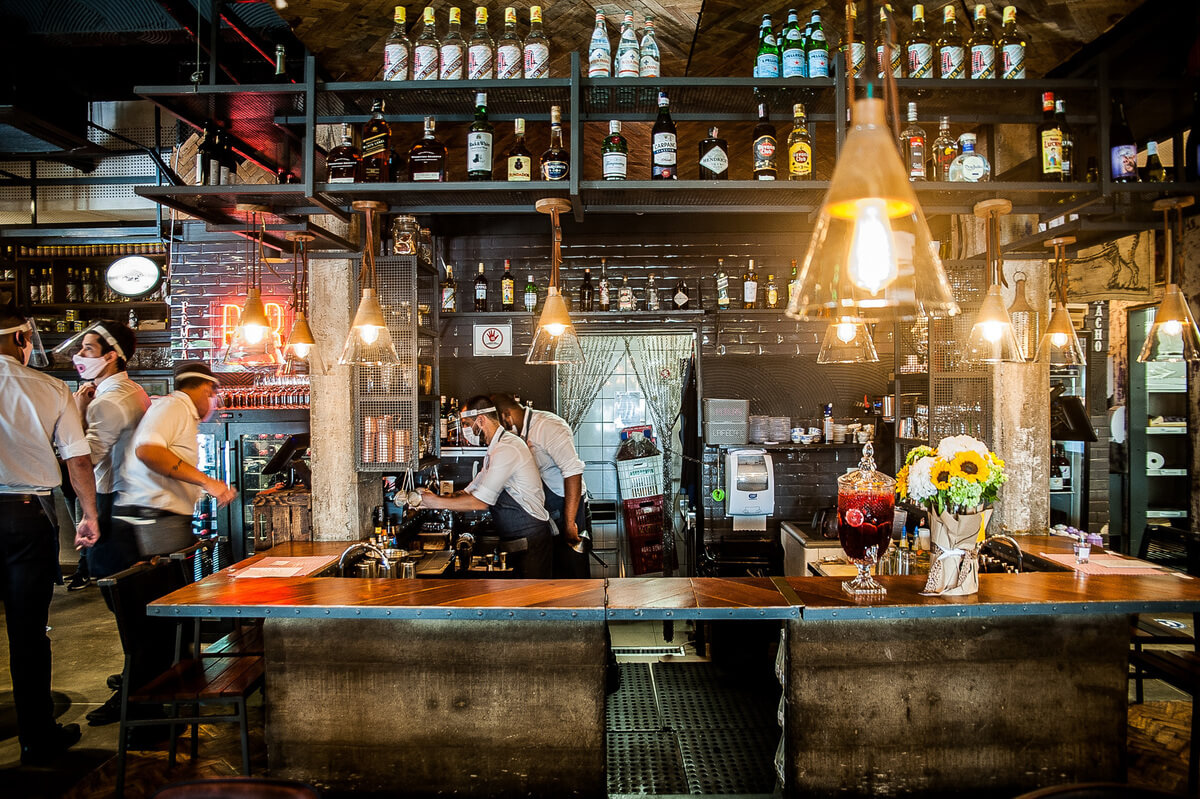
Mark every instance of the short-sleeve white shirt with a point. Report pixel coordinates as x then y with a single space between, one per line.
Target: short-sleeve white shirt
509 466
112 416
37 415
553 446
171 422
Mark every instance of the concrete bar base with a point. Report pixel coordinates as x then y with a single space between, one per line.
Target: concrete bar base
424 707
957 706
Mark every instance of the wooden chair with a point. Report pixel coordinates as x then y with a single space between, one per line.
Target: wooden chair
192 683
238 788
1176 549
238 638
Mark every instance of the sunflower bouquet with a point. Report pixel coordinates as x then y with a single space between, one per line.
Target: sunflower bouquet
961 476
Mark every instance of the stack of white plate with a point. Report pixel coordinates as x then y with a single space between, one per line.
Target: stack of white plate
839 434
759 429
780 428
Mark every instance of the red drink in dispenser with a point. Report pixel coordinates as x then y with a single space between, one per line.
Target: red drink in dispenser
865 521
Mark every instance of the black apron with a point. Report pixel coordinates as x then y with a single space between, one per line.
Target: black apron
568 564
512 522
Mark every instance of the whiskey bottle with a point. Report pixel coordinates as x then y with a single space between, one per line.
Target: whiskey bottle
952 55
795 60
599 50
510 55
855 53
281 73
427 158
628 60
1068 140
919 46
764 145
772 292
531 295
425 50
1155 172
449 291
605 299
397 49
800 157
663 143
344 159
508 288
714 157
897 50
1122 148
650 62
481 290
479 142
818 49
452 53
537 47
556 161
586 293
970 166
481 61
376 146
681 299
750 288
766 65
615 153
652 300
1050 141
983 47
88 290
520 160
625 301
722 286
945 150
206 156
72 286
1012 47
912 146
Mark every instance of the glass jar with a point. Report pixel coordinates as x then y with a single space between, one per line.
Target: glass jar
866 505
404 235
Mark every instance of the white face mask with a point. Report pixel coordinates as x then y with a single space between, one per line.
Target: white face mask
89 368
470 435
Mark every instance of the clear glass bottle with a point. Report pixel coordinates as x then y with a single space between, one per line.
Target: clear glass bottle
537 47
510 55
452 54
344 159
449 291
1012 47
650 62
427 158
714 157
970 166
952 55
912 146
982 46
772 292
605 299
556 161
625 300
664 159
426 48
614 153
520 160
481 57
945 150
800 155
508 288
817 49
766 64
479 142
750 287
628 59
794 59
919 46
652 300
599 50
397 50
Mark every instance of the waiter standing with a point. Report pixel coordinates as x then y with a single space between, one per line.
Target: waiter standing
37 415
508 485
552 443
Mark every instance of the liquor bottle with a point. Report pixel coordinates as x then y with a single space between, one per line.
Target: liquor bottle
207 155
481 290
791 39
722 286
1068 140
47 286
397 49
952 55
650 61
1056 481
663 152
1122 148
750 288
766 65
599 50
71 286
625 301
983 47
427 158
629 54
1012 47
764 145
376 146
615 153
912 146
452 53
344 159
89 285
281 75
652 301
680 298
772 292
449 291
587 297
897 50
855 53
1155 172
605 299
945 150
1064 467
425 50
919 46
481 58
508 288
714 157
520 160
556 161
793 283
1092 175
818 49
970 166
537 47
479 141
1050 141
510 55
800 158
226 162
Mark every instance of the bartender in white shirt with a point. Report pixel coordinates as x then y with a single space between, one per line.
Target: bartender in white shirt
510 486
36 416
552 443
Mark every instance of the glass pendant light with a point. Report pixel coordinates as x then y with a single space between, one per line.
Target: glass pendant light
1059 345
1026 320
555 341
848 340
300 352
1173 336
993 338
369 342
253 341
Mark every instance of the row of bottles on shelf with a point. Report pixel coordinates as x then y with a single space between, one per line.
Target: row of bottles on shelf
274 391
1060 469
431 57
76 284
84 250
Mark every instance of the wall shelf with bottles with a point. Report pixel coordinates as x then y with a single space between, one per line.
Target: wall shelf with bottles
447 100
707 99
493 196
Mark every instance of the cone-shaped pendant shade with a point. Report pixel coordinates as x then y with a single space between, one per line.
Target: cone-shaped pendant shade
1173 336
848 340
871 253
253 342
1026 321
556 341
369 342
993 338
300 353
1059 345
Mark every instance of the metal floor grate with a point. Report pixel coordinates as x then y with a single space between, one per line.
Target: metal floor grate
645 763
696 696
729 761
633 707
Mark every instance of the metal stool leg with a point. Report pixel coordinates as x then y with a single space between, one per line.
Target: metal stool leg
245 729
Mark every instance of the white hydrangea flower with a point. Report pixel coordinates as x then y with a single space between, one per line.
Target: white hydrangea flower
920 480
951 446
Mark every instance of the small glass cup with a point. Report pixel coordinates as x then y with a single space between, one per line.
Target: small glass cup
1083 552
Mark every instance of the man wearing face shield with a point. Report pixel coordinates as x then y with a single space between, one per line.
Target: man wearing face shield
37 416
509 486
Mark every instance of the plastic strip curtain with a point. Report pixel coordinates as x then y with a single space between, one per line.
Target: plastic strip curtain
580 384
660 363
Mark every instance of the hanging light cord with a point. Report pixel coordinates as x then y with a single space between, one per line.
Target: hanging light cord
555 249
1060 270
890 94
366 275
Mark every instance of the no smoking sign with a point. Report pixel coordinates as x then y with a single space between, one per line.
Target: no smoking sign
492 340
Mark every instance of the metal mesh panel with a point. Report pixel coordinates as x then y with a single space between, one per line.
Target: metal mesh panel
960 393
961 405
386 396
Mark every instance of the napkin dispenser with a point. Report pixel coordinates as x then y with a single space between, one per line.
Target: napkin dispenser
751 488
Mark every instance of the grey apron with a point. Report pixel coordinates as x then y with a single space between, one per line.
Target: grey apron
568 564
513 522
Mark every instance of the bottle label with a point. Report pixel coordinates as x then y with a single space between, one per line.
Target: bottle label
628 62
715 160
395 62
723 291
425 62
426 168
750 292
795 64
772 296
764 153
448 298
1052 145
858 59
793 288
767 66
530 300
974 168
537 60
681 299
625 299
649 65
916 157
953 62
480 65
663 148
479 151
554 170
451 63
800 159
818 63
604 294
375 145
1124 162
508 293
599 60
1014 62
615 166
520 168
983 62
920 60
481 291
897 62
508 61
341 170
